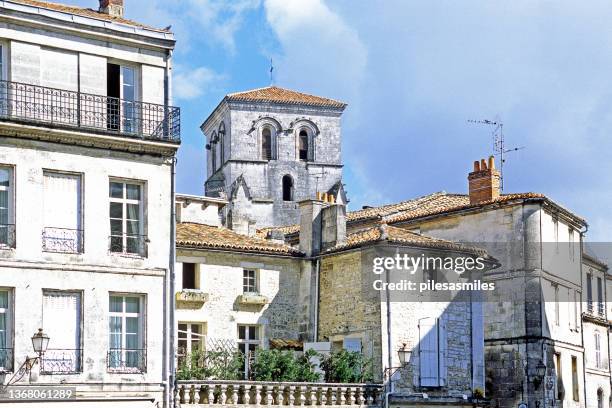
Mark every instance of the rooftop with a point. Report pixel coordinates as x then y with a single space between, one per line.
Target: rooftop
84 12
275 94
192 235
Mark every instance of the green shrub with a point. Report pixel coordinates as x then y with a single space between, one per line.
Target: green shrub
276 365
347 367
204 365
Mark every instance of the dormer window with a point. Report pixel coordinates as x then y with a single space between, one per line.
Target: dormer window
303 145
266 144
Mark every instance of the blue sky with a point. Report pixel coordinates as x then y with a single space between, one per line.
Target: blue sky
413 73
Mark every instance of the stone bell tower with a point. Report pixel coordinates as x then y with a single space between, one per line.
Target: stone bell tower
270 148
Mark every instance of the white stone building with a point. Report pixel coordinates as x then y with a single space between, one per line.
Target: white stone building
87 146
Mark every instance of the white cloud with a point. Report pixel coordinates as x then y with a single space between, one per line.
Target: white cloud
193 83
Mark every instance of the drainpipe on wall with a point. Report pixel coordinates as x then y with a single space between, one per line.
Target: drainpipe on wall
317 295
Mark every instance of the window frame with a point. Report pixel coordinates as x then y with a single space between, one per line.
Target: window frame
189 338
11 209
248 343
246 284
196 276
142 230
4 63
270 156
221 135
142 332
9 330
291 188
308 144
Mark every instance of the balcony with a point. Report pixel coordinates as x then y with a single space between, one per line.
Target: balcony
6 360
61 361
244 393
7 236
60 108
126 361
62 240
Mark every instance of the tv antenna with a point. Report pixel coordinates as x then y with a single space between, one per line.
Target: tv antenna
499 143
317 177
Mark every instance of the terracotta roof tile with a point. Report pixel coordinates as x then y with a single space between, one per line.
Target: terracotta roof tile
210 237
85 12
275 94
392 234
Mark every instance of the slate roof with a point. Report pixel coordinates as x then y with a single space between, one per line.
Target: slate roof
203 236
85 12
275 94
387 233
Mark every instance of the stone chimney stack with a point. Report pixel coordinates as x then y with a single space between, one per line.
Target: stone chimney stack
322 224
112 7
484 181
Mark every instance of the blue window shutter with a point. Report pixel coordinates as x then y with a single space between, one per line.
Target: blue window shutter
428 352
442 347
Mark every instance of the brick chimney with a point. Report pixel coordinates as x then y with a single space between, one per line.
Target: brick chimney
484 181
112 7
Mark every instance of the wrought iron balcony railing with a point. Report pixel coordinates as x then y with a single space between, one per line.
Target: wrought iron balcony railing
61 361
6 360
7 235
63 240
72 109
130 245
126 360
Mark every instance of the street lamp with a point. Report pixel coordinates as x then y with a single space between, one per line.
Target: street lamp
40 341
404 354
540 373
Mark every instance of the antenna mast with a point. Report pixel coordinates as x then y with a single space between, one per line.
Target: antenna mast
499 144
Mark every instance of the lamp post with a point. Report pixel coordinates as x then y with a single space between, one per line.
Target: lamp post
40 341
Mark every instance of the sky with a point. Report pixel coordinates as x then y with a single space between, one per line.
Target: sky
413 72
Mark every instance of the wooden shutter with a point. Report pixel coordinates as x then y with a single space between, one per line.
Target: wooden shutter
62 319
428 352
62 200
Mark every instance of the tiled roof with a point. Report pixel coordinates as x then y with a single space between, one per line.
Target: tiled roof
85 12
384 232
274 94
433 204
210 237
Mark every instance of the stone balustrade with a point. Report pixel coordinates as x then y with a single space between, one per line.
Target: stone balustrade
218 392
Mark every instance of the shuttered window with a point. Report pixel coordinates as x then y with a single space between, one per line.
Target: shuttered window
6 206
432 352
62 322
62 212
6 355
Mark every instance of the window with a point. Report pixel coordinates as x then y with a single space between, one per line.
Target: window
190 341
126 334
598 360
432 352
222 143
6 331
213 151
303 145
62 322
600 299
126 215
122 88
575 387
7 227
556 232
589 278
557 312
287 188
190 276
62 230
248 343
559 372
266 144
249 281
572 245
599 398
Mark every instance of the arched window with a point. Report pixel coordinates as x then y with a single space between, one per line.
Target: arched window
303 153
287 188
213 151
266 144
222 143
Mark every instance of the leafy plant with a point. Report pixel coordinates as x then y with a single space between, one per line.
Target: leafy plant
216 364
347 367
276 365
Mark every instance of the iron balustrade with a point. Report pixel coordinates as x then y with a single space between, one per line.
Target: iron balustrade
7 235
73 109
62 240
61 361
128 244
6 360
120 360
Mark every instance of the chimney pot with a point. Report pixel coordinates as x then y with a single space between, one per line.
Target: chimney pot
484 182
112 7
